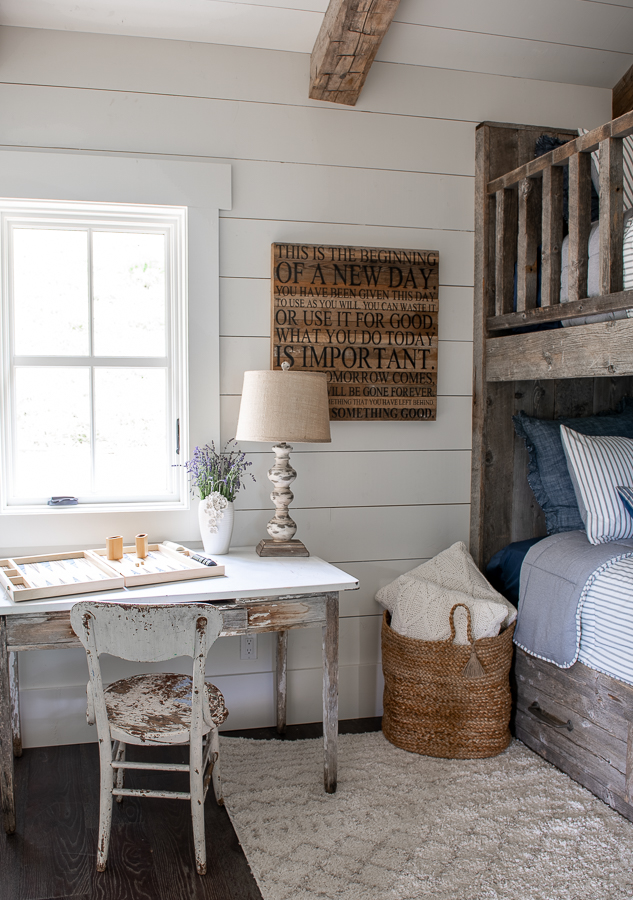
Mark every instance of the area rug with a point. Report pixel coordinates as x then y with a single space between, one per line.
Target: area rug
407 826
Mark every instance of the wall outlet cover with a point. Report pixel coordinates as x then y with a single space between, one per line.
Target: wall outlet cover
248 646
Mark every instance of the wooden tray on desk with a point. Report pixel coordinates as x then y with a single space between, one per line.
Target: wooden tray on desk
160 566
56 575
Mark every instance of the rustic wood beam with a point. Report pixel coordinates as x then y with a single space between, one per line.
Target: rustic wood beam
346 46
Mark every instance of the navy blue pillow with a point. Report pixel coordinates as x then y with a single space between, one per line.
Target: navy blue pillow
547 471
504 569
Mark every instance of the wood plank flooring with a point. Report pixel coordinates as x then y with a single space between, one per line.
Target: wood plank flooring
52 855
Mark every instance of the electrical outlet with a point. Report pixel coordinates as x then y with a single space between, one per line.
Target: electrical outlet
248 646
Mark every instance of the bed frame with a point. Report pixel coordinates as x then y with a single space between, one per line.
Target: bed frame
574 371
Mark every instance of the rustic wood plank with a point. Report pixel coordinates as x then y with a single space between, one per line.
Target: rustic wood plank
611 213
497 149
330 693
283 615
14 688
606 747
606 699
579 224
551 235
345 48
608 392
528 241
622 95
548 746
573 397
6 737
584 307
506 250
602 349
281 679
528 520
628 787
579 689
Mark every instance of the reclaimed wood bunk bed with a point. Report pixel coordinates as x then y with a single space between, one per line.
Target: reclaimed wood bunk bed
575 371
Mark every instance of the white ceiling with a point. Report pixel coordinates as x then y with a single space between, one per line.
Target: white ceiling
586 42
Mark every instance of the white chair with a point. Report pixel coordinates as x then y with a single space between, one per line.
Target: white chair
153 709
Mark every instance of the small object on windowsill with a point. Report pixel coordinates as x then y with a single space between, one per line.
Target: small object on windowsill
63 501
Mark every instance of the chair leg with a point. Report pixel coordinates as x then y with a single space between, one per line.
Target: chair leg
120 773
214 737
105 804
196 788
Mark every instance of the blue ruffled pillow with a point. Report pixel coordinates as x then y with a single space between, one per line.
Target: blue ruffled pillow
547 471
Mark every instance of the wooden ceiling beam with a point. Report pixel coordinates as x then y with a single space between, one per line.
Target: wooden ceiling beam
346 46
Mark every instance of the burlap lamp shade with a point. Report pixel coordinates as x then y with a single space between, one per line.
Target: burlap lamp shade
281 405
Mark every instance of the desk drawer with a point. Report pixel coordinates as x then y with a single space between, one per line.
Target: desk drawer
40 631
286 614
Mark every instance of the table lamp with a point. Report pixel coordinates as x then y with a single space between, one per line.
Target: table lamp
280 406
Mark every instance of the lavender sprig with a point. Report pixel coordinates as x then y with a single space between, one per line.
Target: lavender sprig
223 471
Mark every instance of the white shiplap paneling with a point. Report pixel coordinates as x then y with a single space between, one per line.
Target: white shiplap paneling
396 171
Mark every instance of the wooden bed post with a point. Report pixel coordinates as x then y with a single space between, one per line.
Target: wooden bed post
496 518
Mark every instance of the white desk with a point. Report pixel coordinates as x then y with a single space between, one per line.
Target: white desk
256 595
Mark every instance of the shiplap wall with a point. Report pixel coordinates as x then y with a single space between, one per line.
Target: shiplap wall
397 170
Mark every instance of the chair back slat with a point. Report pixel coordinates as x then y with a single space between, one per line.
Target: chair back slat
144 633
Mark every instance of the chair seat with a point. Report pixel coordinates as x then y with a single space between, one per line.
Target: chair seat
156 708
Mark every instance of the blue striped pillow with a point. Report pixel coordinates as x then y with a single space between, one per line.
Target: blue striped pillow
597 466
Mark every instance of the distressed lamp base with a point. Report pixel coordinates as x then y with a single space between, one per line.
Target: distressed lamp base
282 548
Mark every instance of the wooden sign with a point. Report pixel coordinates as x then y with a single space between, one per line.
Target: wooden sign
367 317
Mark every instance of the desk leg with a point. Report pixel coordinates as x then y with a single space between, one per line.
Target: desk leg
282 679
14 690
6 738
330 692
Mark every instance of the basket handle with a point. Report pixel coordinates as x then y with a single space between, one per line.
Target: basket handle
451 616
473 668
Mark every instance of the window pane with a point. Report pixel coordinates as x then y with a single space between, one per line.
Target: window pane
50 291
131 431
129 294
52 437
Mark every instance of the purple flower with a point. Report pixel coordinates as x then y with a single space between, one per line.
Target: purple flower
224 471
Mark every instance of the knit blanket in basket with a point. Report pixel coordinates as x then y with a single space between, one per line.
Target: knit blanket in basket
556 575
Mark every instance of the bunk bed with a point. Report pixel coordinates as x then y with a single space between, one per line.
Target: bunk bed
579 719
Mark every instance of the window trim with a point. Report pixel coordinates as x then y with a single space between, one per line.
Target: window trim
204 187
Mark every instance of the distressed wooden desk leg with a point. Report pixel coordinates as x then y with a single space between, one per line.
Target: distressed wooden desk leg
14 689
330 692
281 679
6 738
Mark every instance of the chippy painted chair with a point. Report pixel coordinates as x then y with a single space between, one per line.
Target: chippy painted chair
156 708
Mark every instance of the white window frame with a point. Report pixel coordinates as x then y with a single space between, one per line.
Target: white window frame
204 187
170 221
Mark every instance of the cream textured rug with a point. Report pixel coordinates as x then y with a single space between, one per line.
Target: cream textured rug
407 826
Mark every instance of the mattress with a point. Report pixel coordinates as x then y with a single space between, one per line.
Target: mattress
605 612
606 622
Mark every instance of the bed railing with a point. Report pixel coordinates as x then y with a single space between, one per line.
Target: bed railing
529 215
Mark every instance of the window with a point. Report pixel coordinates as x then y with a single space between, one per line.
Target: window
94 354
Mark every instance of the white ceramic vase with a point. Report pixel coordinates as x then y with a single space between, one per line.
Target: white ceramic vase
215 542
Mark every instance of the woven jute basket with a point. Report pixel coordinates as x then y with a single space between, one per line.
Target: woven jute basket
445 699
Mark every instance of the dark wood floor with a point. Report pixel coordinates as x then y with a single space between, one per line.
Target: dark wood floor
52 855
